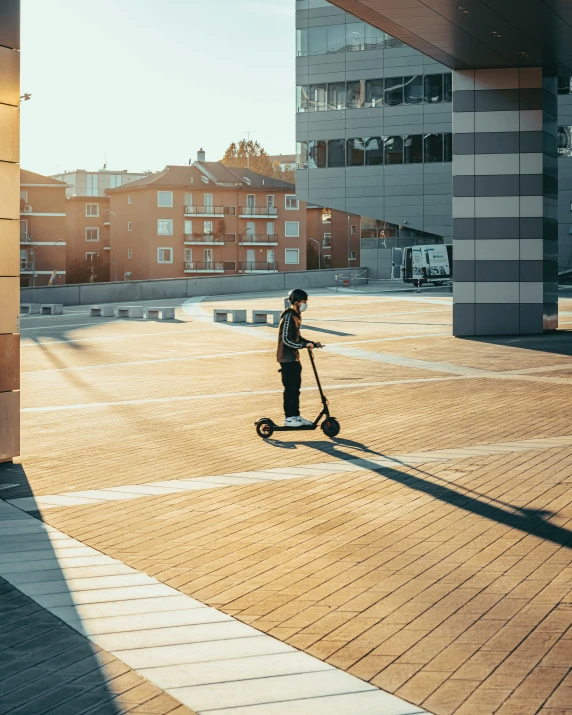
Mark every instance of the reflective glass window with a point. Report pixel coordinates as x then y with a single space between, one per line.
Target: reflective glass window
302 42
433 87
337 95
317 102
391 41
374 38
373 151
393 91
448 87
374 92
356 152
355 36
413 89
565 141
336 153
317 158
413 149
393 150
564 84
433 148
336 38
302 99
317 41
356 94
448 147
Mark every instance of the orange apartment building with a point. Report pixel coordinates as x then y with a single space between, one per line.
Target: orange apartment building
205 219
43 230
338 235
89 223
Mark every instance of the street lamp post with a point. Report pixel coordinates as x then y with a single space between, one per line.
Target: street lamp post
349 240
319 252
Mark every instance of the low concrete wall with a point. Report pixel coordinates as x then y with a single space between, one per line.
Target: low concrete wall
157 290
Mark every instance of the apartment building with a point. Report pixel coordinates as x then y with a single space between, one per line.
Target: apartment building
205 219
43 230
88 237
95 183
333 237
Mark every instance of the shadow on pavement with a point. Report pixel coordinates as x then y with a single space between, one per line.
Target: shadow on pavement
558 342
46 666
531 521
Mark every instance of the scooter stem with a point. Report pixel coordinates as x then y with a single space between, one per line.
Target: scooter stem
324 401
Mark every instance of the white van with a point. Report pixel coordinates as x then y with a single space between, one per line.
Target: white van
428 264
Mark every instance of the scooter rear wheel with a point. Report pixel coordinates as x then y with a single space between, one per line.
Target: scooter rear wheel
265 428
331 427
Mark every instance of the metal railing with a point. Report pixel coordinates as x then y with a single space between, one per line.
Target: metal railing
214 266
258 211
210 238
26 266
349 279
26 238
259 238
250 267
211 210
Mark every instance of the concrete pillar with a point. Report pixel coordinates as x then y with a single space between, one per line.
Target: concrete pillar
505 191
9 229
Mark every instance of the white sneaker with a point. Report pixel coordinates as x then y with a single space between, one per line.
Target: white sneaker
293 422
304 421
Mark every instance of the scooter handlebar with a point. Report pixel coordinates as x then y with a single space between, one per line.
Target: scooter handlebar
318 345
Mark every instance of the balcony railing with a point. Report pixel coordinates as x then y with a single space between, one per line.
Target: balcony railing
26 238
258 211
26 266
209 266
260 238
256 267
210 210
210 238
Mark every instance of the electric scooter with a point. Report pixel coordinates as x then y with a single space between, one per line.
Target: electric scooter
265 427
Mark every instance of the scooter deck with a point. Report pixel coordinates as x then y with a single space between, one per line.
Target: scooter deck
282 428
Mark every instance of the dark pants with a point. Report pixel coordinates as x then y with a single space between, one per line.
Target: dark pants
292 380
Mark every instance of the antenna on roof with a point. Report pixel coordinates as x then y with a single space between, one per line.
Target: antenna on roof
105 161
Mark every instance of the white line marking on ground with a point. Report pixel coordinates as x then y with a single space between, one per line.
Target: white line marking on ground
234 666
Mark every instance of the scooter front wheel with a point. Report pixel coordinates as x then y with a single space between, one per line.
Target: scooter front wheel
265 428
331 427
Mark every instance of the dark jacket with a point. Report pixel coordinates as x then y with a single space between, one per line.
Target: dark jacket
289 338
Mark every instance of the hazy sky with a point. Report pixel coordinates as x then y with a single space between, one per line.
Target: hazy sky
151 81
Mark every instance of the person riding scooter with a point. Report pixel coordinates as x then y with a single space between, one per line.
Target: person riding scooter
289 343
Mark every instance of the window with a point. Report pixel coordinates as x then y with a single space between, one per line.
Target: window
130 225
393 91
164 255
353 230
413 149
327 242
337 95
352 256
92 185
165 199
333 39
90 255
374 38
356 152
448 147
301 43
129 198
336 153
24 196
270 228
413 89
302 99
317 101
393 150
115 180
433 148
92 209
564 84
355 36
317 154
165 227
188 228
292 256
188 200
208 228
270 201
447 87
565 141
292 229
326 215
188 255
373 151
433 87
291 203
317 43
374 89
356 94
208 200
129 253
92 234
250 201
336 41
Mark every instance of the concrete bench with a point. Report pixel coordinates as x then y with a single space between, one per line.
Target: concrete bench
51 309
102 311
27 308
164 313
261 316
129 311
222 316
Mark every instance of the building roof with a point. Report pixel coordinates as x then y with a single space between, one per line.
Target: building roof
30 177
283 158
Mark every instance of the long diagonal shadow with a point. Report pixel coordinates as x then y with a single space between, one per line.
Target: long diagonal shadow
531 521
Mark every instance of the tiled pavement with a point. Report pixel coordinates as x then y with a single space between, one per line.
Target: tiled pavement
443 577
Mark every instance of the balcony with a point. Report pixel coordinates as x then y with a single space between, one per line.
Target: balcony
210 211
209 239
258 212
209 266
249 267
259 239
26 266
26 237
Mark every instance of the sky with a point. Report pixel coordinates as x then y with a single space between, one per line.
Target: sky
149 82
